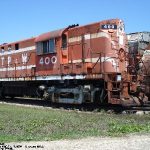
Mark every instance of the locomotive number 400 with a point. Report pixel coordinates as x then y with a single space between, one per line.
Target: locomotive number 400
48 60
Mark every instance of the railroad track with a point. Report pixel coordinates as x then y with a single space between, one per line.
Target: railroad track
34 102
138 109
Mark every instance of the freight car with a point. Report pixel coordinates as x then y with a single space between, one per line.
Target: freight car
76 64
139 60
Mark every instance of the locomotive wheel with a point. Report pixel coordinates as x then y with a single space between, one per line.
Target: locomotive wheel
48 97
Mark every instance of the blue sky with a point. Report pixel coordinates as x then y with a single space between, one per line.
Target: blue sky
21 19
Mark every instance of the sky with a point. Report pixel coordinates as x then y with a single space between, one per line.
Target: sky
22 19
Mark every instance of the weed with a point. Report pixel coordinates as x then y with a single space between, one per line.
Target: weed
27 124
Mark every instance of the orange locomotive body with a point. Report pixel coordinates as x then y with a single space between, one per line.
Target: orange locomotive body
77 64
79 50
17 60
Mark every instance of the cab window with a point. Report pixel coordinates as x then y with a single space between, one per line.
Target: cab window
46 47
51 45
64 41
17 46
39 49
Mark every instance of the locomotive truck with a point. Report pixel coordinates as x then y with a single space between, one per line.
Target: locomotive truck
76 64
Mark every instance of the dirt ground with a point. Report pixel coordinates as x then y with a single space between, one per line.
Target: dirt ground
131 142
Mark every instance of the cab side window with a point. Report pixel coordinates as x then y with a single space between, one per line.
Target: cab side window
39 48
51 45
64 41
46 47
16 46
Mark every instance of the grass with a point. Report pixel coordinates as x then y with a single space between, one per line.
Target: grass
35 124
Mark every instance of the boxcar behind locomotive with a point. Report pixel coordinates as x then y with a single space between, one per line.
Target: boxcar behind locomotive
139 60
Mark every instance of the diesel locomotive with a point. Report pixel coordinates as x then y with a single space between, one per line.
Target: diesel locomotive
76 64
